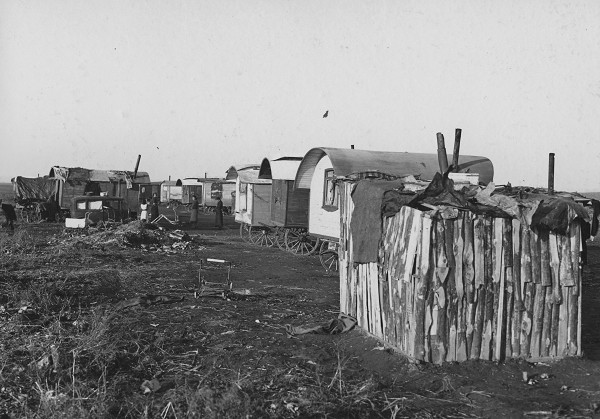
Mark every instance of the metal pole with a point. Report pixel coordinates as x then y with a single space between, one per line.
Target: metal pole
551 174
442 156
457 135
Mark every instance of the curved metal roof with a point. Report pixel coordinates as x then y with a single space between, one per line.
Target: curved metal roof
246 174
284 168
232 172
348 161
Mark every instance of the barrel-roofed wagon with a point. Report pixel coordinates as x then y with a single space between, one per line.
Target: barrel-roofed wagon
322 168
289 207
252 200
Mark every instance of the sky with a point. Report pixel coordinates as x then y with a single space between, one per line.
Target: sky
196 86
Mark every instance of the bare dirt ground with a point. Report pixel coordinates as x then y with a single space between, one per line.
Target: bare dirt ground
70 347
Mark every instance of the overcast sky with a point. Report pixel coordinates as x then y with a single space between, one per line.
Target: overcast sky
196 86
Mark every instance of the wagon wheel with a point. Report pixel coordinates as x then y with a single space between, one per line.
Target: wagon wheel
245 232
328 256
298 241
280 238
34 215
262 236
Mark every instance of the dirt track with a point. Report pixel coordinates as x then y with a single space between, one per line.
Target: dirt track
235 358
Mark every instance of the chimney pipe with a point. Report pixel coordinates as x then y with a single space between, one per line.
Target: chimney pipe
137 165
551 174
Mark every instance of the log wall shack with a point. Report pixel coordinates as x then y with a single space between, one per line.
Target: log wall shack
453 283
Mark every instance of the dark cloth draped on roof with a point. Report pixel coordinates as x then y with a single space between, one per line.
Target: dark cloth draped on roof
366 217
557 213
33 189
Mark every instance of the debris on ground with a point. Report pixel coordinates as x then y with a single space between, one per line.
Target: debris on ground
342 324
137 234
147 300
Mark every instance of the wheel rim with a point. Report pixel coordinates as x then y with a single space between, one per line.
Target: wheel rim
261 236
329 260
328 255
299 242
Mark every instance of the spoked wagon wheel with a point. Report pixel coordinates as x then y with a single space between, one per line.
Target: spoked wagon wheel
328 254
298 241
245 232
262 236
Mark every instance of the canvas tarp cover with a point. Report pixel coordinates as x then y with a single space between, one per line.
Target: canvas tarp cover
33 189
535 209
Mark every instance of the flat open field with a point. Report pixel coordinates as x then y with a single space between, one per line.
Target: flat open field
111 323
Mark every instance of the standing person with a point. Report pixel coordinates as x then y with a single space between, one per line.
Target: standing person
9 214
154 207
144 212
219 214
194 211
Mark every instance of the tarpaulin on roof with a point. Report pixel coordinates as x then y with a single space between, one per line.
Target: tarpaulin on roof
33 189
376 198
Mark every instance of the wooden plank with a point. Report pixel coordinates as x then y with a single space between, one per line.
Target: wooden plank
538 320
469 279
441 271
461 320
563 324
415 282
518 301
547 323
534 246
566 264
486 341
528 290
421 281
499 284
555 267
375 298
479 259
546 273
507 253
526 320
451 293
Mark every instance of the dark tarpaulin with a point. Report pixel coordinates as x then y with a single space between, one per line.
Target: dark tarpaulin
33 189
365 225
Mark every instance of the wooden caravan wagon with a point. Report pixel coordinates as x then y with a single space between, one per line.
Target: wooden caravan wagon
170 191
252 201
450 278
289 207
77 181
323 167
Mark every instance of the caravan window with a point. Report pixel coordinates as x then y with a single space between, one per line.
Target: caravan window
330 192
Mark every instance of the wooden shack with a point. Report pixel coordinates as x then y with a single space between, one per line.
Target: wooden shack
321 168
77 181
253 196
289 206
493 280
